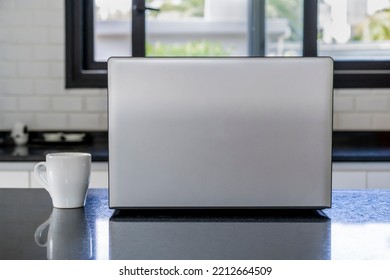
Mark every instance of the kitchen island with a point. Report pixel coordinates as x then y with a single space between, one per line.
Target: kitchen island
356 227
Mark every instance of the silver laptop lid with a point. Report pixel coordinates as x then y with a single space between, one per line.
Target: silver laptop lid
220 132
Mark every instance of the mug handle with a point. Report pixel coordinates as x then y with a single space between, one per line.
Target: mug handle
38 234
38 175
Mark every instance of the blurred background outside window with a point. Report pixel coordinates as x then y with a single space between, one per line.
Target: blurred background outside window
347 29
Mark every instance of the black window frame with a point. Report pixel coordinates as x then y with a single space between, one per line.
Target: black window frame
83 72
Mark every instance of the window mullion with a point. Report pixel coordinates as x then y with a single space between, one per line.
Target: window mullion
138 28
310 13
256 28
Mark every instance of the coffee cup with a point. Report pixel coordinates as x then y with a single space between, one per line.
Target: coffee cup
67 178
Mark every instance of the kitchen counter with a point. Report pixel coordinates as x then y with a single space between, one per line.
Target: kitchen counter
356 227
347 147
95 143
355 146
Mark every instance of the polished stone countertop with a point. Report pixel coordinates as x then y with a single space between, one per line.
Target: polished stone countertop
361 146
356 227
95 143
348 146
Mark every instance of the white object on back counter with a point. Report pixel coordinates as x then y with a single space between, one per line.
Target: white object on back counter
19 134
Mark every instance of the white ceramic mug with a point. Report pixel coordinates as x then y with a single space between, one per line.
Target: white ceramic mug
67 178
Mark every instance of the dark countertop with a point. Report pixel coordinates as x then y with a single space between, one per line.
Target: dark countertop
347 147
356 227
361 146
95 143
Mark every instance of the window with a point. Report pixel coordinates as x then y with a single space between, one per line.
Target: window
356 33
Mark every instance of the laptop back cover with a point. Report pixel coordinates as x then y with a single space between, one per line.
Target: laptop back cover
220 132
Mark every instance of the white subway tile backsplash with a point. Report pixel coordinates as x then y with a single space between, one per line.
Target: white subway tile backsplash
51 121
371 103
4 35
353 92
8 104
16 18
9 119
34 103
84 91
14 52
57 70
16 86
104 121
7 5
33 69
56 36
22 35
56 5
49 86
381 121
7 69
2 83
352 121
32 5
97 104
371 110
344 104
67 104
48 18
85 121
48 52
102 91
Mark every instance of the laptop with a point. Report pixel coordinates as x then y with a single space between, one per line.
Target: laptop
220 132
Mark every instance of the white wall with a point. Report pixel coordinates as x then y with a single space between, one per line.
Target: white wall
32 78
362 109
32 71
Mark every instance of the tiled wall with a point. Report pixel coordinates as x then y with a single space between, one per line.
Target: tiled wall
32 78
32 71
362 109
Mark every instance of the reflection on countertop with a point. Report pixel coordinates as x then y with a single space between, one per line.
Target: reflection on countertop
220 235
356 227
68 235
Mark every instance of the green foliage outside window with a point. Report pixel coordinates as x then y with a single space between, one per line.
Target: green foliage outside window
374 28
291 10
187 8
195 48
